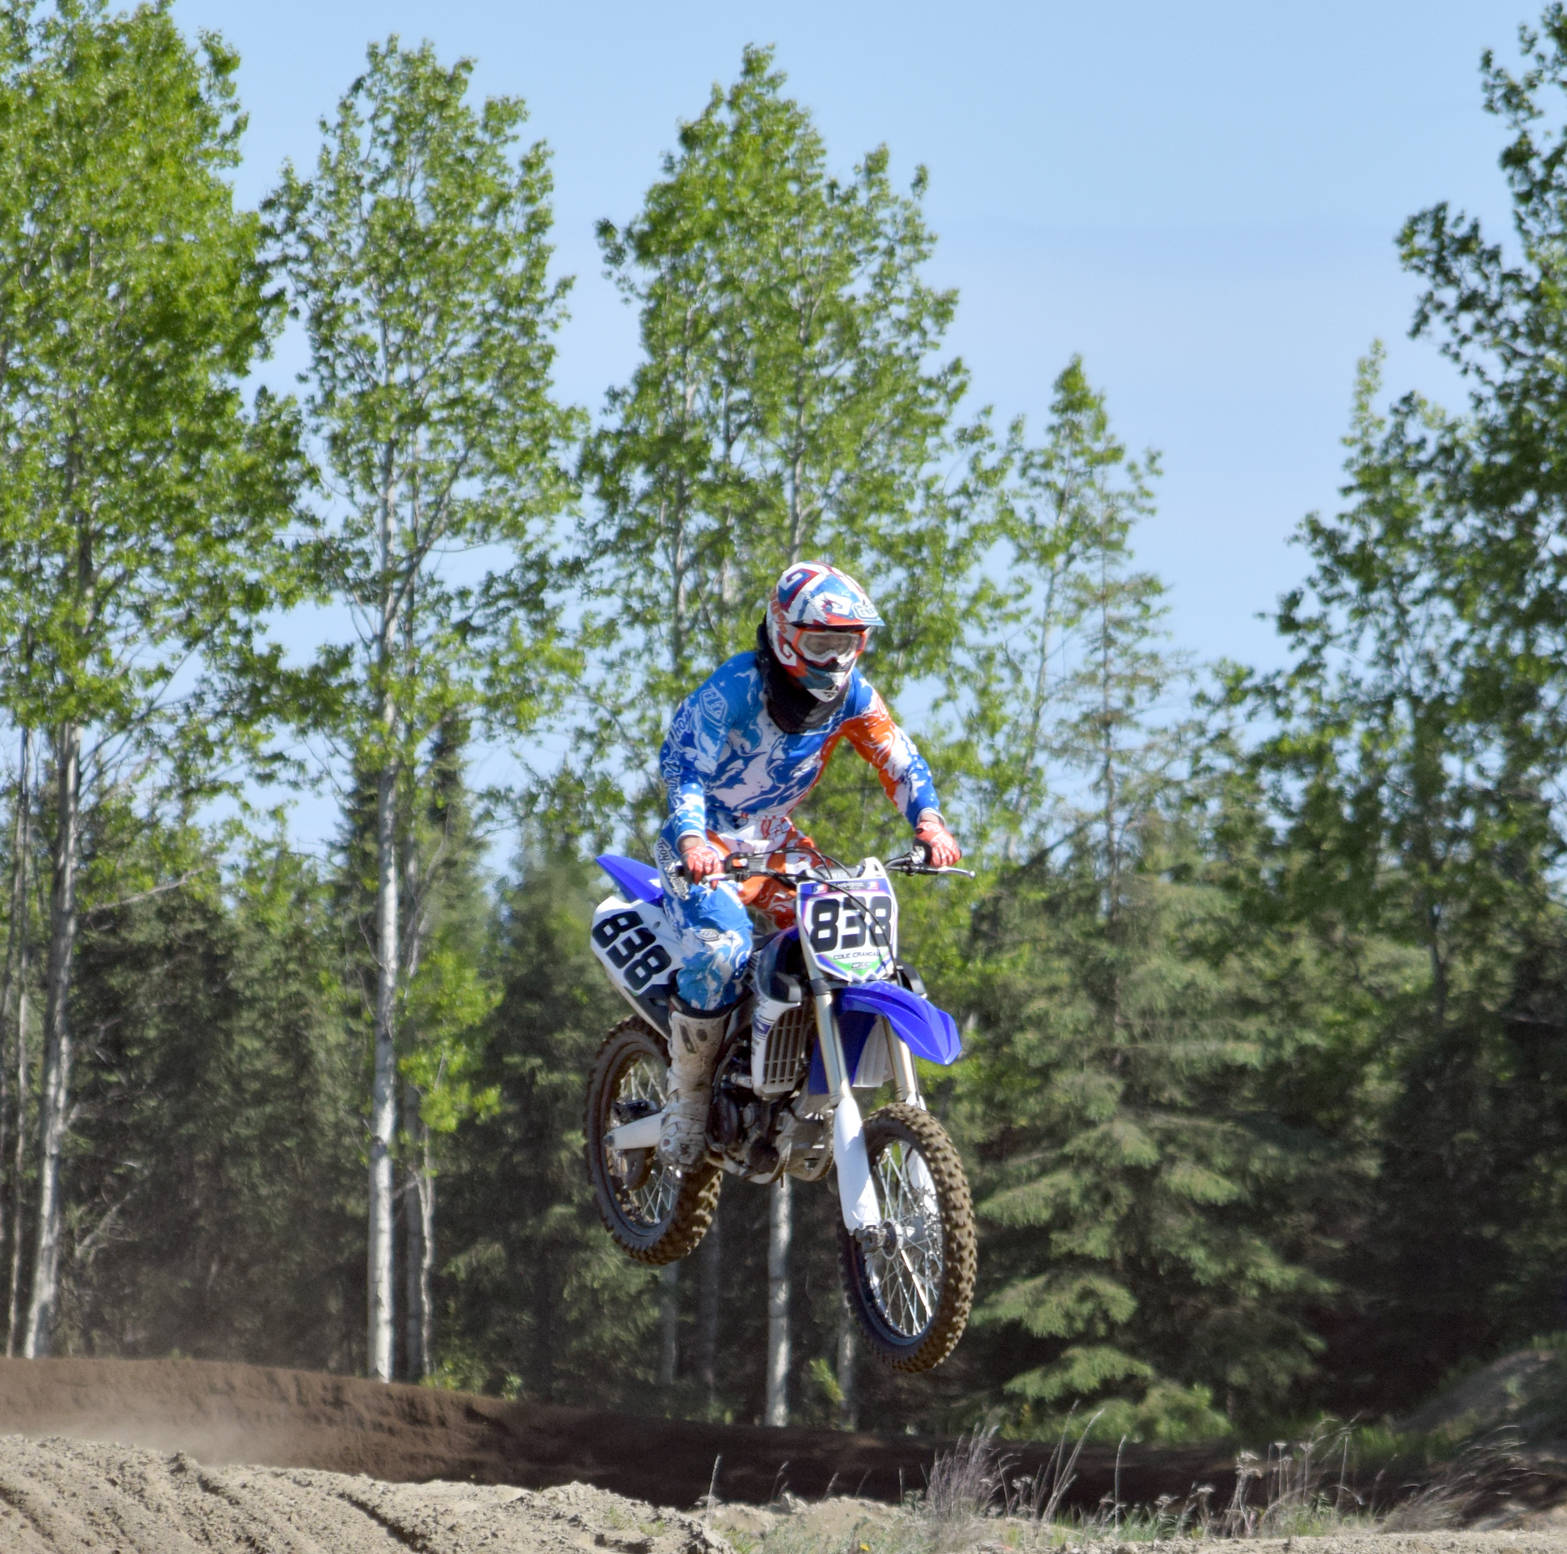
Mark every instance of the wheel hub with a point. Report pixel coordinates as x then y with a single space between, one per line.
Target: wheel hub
883 1237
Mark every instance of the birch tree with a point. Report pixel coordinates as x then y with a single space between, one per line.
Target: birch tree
140 515
418 260
791 401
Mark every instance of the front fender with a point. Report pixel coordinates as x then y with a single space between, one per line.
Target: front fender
929 1032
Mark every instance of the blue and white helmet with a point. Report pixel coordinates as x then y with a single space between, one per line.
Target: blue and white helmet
819 621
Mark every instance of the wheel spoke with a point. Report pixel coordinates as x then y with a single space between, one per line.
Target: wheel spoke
641 1089
654 1213
906 1281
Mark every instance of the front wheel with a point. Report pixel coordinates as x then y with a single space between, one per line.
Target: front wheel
911 1282
654 1213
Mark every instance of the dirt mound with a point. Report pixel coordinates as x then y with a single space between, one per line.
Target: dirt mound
1523 1390
297 1419
171 1457
61 1496
68 1497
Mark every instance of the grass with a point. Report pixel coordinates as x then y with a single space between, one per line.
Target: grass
1484 1470
975 1500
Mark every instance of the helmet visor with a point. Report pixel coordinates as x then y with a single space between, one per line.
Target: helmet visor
829 647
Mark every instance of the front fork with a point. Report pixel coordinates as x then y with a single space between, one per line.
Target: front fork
856 1195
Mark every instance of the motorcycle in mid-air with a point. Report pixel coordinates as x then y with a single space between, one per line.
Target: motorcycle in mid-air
830 1010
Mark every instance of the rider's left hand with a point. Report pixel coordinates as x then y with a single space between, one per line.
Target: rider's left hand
939 841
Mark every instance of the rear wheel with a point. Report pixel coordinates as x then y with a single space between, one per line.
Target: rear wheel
911 1282
654 1213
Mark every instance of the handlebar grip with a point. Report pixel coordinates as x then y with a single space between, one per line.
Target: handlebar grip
734 863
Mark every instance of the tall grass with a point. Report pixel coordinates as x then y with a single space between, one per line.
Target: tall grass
978 1479
975 1498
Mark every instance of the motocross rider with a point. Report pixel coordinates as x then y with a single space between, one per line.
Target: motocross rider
742 751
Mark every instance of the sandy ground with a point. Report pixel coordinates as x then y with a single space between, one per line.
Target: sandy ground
172 1457
61 1496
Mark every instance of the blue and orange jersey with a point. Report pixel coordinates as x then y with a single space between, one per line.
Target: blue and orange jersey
727 764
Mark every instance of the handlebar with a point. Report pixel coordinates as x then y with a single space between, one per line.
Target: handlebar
739 867
917 861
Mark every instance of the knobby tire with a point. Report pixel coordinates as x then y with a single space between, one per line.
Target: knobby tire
653 1214
902 1344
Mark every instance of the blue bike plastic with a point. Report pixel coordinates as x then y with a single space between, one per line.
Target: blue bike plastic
929 1032
633 876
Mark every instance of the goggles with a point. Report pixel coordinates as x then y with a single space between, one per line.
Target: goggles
825 647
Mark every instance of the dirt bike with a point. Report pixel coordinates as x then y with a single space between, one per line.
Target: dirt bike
830 1010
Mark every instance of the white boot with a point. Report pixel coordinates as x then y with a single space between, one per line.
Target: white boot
694 1035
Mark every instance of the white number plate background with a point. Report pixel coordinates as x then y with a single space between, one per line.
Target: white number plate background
634 945
852 938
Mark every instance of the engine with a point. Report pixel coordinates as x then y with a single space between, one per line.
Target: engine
758 1117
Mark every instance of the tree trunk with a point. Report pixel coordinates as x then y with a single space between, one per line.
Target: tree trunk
13 1308
778 1234
848 1402
711 1273
13 1036
383 1084
669 1324
55 1101
418 1243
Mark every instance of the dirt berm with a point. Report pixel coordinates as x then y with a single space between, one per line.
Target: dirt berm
175 1457
401 1434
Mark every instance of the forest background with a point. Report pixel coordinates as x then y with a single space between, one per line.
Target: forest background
1260 980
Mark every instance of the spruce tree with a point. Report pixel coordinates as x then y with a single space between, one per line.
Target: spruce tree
214 1205
1110 1074
536 1300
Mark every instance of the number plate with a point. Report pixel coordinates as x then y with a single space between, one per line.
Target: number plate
852 935
633 942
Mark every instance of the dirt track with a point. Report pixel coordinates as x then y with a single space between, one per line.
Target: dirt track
171 1457
60 1496
297 1419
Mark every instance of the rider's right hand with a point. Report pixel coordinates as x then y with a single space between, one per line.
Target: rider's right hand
701 859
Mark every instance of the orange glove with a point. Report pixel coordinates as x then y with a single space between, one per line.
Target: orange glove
701 858
939 841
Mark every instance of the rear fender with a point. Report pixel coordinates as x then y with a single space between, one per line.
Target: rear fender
639 880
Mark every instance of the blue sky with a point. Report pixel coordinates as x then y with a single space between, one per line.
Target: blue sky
1201 200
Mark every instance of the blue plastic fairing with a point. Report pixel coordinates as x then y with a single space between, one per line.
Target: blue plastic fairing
929 1032
633 876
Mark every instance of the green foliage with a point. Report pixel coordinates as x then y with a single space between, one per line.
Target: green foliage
787 406
418 259
533 1290
1075 496
1115 1064
1414 771
140 518
450 993
213 1176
